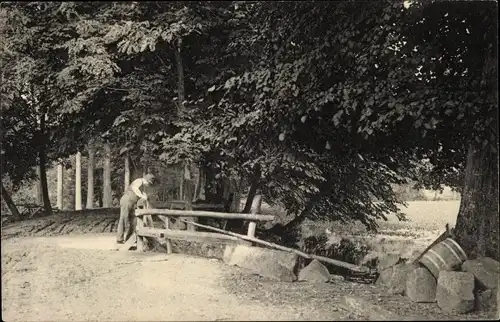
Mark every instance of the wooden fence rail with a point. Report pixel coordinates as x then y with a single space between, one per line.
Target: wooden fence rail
146 235
196 213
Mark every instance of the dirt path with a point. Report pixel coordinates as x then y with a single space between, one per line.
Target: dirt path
63 268
77 278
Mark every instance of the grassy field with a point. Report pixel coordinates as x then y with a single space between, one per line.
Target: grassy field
426 221
421 216
427 215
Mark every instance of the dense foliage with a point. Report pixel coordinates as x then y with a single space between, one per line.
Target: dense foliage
320 106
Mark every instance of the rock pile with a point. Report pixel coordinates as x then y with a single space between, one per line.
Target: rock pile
471 285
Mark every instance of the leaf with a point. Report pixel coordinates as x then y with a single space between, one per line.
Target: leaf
303 119
281 136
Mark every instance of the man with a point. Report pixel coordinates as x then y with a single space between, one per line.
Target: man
132 195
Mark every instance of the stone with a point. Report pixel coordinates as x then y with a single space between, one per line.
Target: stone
273 264
454 293
498 304
394 278
490 264
228 252
421 285
486 300
315 272
485 270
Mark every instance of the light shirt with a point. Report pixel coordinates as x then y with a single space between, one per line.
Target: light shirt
135 185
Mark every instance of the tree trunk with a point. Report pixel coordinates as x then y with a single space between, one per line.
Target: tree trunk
253 190
201 193
197 186
106 193
181 186
60 185
39 193
90 177
235 190
78 181
291 226
12 206
127 172
43 171
188 195
180 77
477 222
43 177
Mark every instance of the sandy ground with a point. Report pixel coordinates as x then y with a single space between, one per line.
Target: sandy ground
79 278
65 267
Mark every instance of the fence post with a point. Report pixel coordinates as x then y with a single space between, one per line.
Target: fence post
257 201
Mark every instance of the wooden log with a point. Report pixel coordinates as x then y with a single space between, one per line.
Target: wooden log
257 201
192 213
291 250
148 221
141 243
336 262
166 221
185 235
179 204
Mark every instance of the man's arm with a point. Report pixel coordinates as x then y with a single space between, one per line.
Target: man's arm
135 185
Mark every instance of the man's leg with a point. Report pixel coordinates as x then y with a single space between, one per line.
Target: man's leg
130 216
132 223
122 222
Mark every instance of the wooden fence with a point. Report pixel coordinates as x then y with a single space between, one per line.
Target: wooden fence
146 234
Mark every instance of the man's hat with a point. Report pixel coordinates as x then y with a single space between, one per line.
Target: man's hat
149 178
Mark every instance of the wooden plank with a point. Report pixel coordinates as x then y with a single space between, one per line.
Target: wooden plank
166 222
185 235
192 213
336 262
182 205
291 250
256 203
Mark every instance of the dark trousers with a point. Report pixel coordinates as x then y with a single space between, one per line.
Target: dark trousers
127 221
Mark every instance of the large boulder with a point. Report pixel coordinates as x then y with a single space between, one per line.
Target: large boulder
315 272
486 300
394 278
273 264
421 285
454 293
486 271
